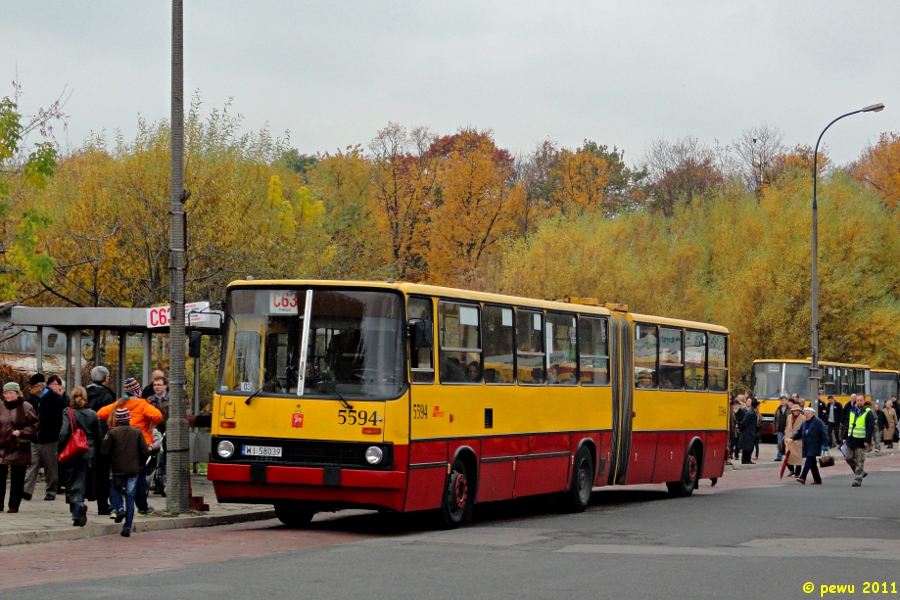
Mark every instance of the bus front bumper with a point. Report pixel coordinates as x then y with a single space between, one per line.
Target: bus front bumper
307 476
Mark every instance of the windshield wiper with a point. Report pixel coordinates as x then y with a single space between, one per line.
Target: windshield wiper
337 393
260 390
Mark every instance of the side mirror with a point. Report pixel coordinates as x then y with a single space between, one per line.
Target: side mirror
743 377
194 344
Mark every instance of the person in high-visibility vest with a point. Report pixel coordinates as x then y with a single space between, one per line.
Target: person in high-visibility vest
859 428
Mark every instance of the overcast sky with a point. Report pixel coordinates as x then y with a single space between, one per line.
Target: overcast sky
335 72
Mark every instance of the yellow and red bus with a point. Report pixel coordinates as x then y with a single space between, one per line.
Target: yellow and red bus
410 397
772 378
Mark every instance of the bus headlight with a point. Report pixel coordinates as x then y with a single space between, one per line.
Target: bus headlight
225 449
374 455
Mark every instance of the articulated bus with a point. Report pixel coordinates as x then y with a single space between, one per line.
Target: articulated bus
884 384
772 378
410 397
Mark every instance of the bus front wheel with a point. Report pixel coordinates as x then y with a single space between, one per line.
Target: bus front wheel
293 514
690 474
578 497
457 497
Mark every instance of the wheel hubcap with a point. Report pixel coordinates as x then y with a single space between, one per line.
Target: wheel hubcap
692 469
459 490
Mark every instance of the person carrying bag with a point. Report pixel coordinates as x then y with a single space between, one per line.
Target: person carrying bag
79 436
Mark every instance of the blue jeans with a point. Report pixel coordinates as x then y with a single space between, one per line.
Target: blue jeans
780 437
140 497
126 484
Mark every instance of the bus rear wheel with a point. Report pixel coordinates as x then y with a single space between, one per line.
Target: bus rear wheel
293 514
457 498
690 475
578 497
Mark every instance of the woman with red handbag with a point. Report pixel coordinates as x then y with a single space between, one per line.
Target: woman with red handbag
80 420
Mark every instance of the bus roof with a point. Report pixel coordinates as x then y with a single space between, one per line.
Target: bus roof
678 323
886 371
806 361
430 290
456 293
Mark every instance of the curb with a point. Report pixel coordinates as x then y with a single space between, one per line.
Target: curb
93 529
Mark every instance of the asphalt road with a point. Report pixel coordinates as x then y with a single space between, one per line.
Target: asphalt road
750 537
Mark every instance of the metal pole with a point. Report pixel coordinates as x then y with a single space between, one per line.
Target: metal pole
178 442
39 352
121 372
814 376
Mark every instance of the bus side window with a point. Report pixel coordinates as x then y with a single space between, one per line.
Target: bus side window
671 367
695 360
829 381
561 366
498 344
718 363
593 351
645 374
459 329
530 350
420 309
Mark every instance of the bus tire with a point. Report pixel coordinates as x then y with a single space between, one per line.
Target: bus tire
578 498
690 475
457 498
293 514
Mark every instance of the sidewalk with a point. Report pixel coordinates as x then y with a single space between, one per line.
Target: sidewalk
45 521
768 451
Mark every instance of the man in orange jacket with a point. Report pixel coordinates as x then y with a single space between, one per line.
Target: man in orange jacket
145 417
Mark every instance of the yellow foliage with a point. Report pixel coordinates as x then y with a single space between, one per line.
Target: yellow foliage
737 262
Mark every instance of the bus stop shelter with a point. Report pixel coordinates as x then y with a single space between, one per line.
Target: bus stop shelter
74 322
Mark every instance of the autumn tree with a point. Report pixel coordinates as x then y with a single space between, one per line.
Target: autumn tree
247 215
343 183
879 169
25 168
472 205
736 260
759 150
679 172
404 177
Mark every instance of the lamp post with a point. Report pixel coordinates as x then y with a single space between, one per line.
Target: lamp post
814 376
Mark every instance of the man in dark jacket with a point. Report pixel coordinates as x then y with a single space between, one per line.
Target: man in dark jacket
127 449
834 414
99 396
858 431
49 406
815 441
749 428
781 414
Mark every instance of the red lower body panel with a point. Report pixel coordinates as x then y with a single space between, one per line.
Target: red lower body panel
642 458
507 467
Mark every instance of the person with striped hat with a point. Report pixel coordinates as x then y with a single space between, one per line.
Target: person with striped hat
144 416
128 452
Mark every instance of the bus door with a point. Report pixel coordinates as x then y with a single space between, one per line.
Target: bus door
622 371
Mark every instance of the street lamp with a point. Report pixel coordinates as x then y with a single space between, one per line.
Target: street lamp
814 370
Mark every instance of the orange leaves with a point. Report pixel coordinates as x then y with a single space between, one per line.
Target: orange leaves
580 179
879 169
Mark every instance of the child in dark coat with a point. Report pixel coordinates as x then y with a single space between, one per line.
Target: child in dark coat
127 449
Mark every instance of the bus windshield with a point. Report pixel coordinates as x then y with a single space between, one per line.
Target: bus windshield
796 380
884 385
354 343
766 380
